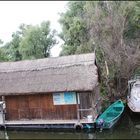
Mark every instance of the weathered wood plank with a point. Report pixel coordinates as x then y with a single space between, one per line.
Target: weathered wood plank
37 107
37 121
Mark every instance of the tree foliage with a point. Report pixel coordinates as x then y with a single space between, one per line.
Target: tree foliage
2 56
112 27
37 41
13 46
30 42
74 29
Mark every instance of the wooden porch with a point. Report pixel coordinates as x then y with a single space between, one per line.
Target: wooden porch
47 124
37 121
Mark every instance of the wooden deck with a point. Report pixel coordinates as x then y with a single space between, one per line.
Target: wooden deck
45 124
37 121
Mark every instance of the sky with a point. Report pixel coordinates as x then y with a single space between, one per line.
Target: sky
14 13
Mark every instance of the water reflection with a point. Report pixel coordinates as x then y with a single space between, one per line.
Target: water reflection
127 128
2 135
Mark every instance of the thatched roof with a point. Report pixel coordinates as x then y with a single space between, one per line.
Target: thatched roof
67 73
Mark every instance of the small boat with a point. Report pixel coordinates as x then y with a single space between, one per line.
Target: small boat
110 116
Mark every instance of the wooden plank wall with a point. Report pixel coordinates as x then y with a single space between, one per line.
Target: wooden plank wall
41 106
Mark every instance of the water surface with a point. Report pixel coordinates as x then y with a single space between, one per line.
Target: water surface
128 127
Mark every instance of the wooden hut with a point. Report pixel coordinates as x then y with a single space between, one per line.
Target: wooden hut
60 88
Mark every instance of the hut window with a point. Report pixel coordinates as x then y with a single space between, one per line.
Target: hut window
64 98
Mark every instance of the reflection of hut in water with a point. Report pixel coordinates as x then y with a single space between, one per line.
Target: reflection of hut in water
62 88
2 135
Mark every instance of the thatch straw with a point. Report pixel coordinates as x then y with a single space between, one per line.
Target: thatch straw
67 73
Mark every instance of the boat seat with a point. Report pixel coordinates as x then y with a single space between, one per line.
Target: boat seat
112 114
117 108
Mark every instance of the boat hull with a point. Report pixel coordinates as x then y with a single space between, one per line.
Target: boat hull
109 125
133 106
133 97
110 116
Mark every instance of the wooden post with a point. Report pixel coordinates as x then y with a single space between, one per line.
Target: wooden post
78 113
3 98
3 111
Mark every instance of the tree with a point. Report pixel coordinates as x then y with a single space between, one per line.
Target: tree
2 53
11 48
3 56
37 41
107 26
113 29
14 47
30 42
74 33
